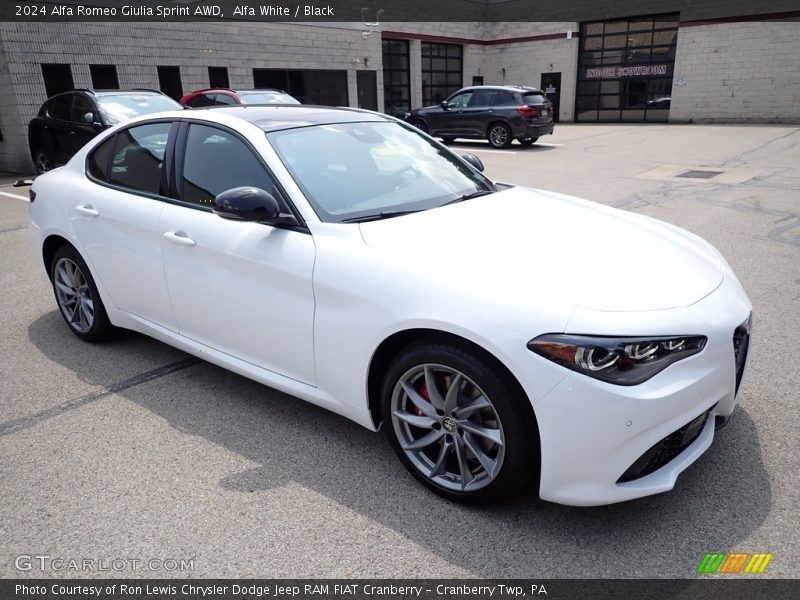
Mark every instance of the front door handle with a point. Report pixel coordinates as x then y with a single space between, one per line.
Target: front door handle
87 210
179 237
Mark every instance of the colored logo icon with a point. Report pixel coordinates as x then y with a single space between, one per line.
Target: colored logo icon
738 562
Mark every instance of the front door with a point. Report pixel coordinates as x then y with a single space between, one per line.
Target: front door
242 288
551 86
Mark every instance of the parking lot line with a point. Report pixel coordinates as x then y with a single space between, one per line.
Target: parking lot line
17 196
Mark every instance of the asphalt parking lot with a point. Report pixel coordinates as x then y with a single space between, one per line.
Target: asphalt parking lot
134 450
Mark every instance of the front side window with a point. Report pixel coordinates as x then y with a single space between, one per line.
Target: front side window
200 101
138 157
60 107
216 161
460 101
353 170
82 106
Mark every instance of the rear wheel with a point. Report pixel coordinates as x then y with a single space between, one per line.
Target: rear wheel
42 161
499 135
78 298
457 426
528 141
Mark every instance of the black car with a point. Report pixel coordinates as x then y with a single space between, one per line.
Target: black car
67 121
500 114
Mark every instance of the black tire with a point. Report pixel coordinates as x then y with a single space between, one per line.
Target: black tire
420 124
448 140
42 161
499 135
100 328
529 141
516 458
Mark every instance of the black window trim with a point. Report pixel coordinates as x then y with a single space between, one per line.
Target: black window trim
69 111
180 155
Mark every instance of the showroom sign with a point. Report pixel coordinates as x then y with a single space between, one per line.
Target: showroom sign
617 72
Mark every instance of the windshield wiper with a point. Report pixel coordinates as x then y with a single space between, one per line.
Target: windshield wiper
470 196
378 216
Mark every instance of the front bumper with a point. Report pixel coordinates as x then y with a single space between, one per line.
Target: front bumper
593 433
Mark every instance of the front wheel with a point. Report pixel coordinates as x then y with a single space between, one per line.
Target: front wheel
499 135
457 425
78 298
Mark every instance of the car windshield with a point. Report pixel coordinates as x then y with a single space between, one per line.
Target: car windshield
117 108
353 170
266 98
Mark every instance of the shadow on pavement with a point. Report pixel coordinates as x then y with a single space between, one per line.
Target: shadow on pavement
717 504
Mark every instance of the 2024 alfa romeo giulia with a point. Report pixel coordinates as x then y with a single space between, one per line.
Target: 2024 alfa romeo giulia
500 335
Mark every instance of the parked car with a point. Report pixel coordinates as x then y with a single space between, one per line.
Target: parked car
500 114
225 96
67 121
343 257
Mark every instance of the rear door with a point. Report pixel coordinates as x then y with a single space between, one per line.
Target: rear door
115 212
479 111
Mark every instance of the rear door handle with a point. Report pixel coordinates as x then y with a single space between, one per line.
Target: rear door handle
87 210
179 237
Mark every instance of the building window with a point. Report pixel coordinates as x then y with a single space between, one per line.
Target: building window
625 69
309 86
396 78
104 77
169 82
218 77
57 78
442 75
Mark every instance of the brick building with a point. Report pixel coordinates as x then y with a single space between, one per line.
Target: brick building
646 61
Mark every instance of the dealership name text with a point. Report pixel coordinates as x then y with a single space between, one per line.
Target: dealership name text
257 591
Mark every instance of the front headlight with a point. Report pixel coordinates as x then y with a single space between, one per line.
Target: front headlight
618 360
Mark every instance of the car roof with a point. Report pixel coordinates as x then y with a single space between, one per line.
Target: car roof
236 91
509 88
274 117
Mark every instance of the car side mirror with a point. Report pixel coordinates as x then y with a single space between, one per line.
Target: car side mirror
444 105
88 118
474 161
248 204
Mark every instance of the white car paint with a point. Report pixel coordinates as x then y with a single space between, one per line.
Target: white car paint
304 314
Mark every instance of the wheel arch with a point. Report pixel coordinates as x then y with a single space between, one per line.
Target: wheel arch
50 246
497 121
390 347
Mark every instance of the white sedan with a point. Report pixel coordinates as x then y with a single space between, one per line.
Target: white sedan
500 335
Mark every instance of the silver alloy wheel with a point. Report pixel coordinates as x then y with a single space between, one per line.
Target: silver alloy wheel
498 135
447 427
73 295
42 163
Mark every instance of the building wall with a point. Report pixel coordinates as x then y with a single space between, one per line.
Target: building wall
137 49
737 73
523 62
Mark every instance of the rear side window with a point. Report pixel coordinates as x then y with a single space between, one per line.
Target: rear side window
216 161
224 99
100 159
503 98
138 158
483 98
60 107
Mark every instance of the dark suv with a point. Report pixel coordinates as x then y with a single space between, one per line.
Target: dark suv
67 121
500 114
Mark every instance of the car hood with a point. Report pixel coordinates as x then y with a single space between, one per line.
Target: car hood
538 247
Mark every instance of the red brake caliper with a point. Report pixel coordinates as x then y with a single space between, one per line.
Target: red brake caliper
423 391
